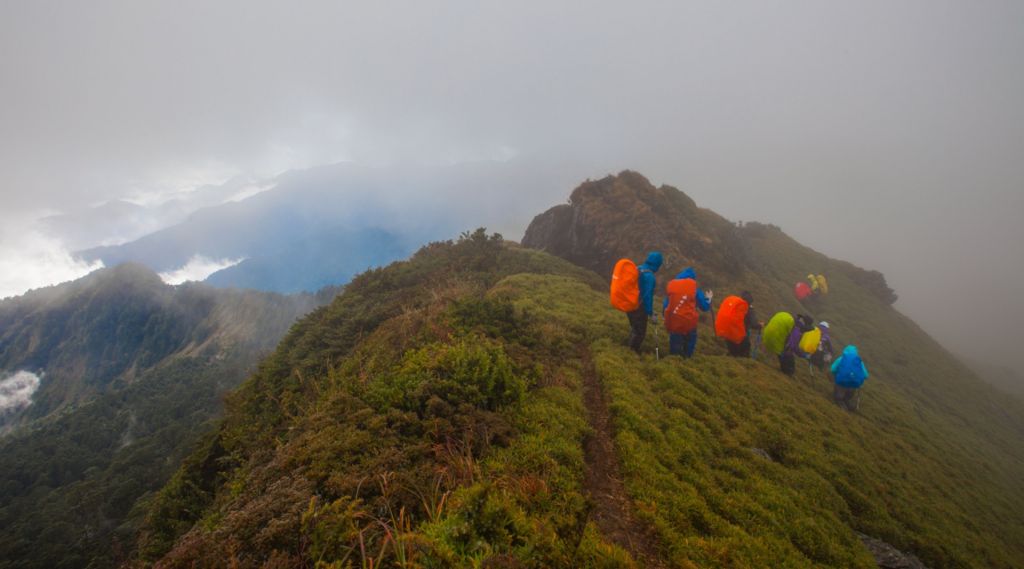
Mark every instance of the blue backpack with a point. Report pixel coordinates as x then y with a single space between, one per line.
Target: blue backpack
850 372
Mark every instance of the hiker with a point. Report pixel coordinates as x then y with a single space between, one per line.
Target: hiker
849 372
777 331
822 285
822 357
683 299
737 320
787 359
813 282
802 291
632 292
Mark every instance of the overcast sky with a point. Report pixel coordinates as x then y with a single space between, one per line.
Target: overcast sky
890 134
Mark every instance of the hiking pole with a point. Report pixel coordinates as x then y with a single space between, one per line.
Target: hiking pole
657 341
711 295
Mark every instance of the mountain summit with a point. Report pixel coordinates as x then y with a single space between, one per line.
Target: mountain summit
626 216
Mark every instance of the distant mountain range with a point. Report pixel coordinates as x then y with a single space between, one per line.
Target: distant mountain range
323 225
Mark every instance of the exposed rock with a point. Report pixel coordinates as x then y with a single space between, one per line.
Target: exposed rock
627 216
887 556
761 453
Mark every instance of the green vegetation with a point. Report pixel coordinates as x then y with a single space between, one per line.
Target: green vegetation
434 416
134 373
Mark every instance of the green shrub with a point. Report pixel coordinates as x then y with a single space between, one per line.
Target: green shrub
470 371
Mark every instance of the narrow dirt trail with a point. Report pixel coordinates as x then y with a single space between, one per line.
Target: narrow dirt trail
613 510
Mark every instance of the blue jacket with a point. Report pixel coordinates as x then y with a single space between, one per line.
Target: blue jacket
648 281
849 370
702 301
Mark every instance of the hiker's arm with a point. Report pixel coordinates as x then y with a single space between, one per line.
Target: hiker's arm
752 322
835 364
647 282
703 302
864 367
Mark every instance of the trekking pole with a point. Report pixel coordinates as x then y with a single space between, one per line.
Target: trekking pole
711 295
657 341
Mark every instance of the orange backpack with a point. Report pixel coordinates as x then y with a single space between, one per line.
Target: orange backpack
730 321
625 294
681 313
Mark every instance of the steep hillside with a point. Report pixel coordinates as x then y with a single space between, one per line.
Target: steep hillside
474 406
130 372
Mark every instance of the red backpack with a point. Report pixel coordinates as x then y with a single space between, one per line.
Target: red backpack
730 321
681 313
625 290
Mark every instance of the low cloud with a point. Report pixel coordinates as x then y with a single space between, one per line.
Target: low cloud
197 269
16 391
30 259
250 191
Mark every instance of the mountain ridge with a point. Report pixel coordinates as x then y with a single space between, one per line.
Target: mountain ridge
132 372
435 414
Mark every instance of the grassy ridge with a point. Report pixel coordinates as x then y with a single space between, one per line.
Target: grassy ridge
446 430
686 430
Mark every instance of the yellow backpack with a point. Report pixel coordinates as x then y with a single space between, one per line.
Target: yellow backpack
810 340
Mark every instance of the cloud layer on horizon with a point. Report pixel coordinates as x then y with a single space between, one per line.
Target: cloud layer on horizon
29 259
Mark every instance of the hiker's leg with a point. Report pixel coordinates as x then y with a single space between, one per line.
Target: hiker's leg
637 328
744 347
788 363
849 396
675 344
735 350
839 396
691 344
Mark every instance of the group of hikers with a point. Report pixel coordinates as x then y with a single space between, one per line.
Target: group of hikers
789 338
813 287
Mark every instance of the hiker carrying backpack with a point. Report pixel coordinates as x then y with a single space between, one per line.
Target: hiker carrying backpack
822 285
682 300
632 292
850 373
777 331
813 282
736 322
822 357
801 291
787 359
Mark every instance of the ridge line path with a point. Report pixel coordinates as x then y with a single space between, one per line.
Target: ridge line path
602 479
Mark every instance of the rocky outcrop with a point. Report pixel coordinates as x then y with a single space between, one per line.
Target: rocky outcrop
626 215
887 556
